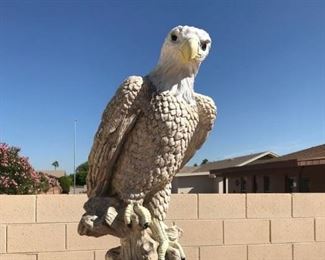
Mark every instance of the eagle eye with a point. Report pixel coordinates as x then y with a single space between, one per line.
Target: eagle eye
203 46
173 37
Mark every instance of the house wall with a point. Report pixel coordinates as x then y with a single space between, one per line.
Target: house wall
317 182
192 184
260 184
316 176
216 227
277 182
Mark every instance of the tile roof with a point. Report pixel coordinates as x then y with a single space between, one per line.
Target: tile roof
230 162
312 152
257 159
306 157
188 169
308 153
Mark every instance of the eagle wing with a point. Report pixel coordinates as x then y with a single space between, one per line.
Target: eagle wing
207 111
119 117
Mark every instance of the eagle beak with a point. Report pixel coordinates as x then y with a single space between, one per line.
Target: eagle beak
190 50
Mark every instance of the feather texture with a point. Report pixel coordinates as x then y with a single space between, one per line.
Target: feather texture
144 138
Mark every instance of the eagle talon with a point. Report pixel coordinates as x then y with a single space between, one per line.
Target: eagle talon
137 214
178 247
128 215
167 239
143 215
89 221
111 215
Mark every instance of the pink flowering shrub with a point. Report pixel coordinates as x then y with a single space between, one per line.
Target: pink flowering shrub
47 182
17 176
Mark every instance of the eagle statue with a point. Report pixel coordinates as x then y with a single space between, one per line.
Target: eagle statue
149 130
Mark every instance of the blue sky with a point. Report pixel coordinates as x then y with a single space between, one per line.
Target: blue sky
63 60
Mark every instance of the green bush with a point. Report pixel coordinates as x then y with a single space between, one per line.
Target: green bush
82 171
65 183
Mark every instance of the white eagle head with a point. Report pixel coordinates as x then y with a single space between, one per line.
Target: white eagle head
182 53
185 47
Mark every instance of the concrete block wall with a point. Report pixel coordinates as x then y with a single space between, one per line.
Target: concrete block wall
216 227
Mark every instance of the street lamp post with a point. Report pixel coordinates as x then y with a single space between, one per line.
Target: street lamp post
74 156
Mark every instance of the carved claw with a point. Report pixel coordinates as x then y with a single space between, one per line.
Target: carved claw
127 215
86 223
135 213
89 220
144 215
174 253
174 233
178 247
167 237
111 215
113 254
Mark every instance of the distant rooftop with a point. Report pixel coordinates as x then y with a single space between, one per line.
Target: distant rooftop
306 157
55 173
188 169
314 152
230 162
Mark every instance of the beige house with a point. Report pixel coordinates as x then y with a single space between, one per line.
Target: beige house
302 171
199 180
